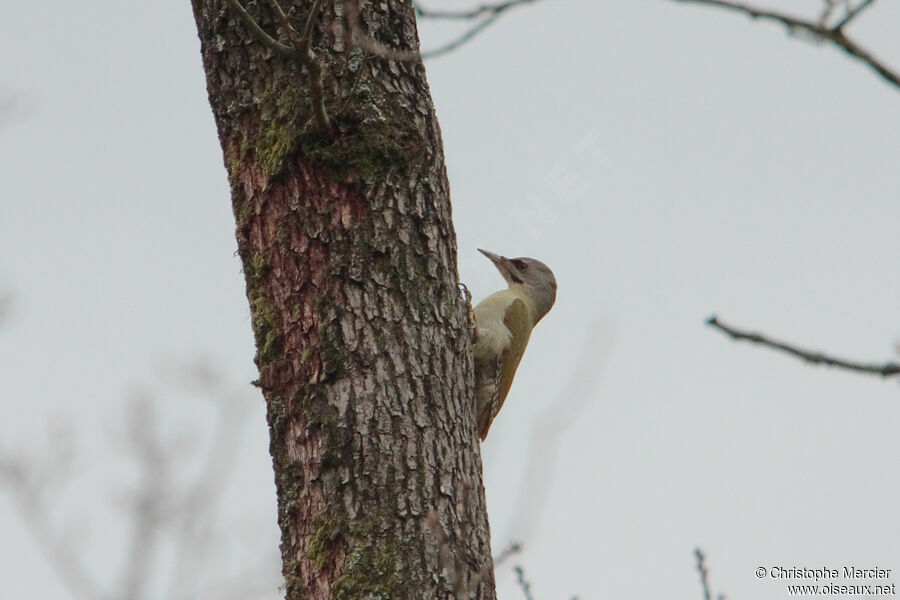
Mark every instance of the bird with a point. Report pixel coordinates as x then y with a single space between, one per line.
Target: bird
503 324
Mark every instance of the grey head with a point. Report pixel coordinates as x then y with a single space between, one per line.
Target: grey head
530 276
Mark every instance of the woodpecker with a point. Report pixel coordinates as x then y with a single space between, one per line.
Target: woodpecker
503 324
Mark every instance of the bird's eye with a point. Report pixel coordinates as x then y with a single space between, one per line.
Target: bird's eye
520 264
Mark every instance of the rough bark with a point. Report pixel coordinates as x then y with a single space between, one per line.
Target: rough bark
349 256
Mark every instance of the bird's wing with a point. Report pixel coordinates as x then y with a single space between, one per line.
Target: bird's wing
517 320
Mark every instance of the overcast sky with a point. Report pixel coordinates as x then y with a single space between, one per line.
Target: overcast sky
668 162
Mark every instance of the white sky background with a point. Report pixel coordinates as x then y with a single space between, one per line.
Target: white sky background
668 163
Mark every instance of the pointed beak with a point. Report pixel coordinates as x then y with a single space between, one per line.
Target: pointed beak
503 264
495 258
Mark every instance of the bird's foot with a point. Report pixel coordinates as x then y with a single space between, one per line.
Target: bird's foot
470 316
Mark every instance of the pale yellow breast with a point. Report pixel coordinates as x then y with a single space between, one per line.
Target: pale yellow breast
493 335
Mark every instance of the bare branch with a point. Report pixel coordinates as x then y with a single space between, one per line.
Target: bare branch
299 50
311 20
852 14
704 574
150 502
885 370
769 15
523 583
261 36
285 23
464 38
511 550
468 15
197 511
835 34
316 88
828 8
28 494
488 13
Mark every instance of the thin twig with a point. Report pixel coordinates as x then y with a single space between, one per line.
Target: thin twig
704 574
197 511
313 13
487 13
828 9
301 45
19 475
511 550
285 23
885 370
316 88
159 504
462 39
261 36
523 583
853 13
835 35
156 460
468 15
299 50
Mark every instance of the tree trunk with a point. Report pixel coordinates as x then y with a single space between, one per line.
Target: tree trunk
349 255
